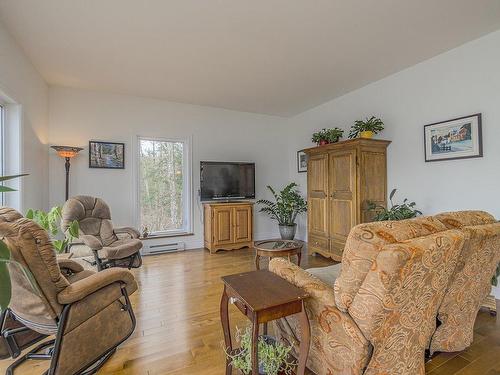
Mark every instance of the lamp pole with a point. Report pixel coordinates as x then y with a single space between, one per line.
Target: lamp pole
67 152
67 165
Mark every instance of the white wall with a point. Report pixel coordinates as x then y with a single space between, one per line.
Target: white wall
22 87
463 81
77 116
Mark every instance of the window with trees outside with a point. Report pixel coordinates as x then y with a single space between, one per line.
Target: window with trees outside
164 186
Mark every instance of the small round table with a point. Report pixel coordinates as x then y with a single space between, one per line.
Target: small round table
278 248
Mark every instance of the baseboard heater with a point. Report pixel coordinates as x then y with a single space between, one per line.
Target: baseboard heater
163 248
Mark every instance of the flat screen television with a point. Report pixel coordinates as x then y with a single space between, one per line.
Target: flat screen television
226 180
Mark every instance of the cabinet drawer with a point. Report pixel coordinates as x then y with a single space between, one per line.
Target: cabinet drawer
315 242
337 249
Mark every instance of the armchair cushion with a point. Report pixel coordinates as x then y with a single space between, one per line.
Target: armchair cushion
397 304
470 284
91 241
327 274
122 248
364 244
82 288
460 219
338 346
132 232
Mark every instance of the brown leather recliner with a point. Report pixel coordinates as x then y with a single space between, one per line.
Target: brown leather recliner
89 313
112 247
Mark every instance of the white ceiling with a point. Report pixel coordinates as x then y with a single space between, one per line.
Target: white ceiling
276 57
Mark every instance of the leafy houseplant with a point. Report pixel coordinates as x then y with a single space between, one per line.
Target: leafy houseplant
274 357
50 221
366 128
5 261
326 136
288 204
401 211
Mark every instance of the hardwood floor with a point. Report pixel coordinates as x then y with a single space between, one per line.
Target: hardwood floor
179 331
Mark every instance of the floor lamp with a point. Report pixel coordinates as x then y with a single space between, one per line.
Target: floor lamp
67 152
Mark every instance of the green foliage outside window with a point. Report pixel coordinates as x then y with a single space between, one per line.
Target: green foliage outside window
161 167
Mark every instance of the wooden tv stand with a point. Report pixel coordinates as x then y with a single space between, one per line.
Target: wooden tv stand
228 226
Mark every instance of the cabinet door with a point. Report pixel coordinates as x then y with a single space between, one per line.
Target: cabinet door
342 200
242 217
317 195
223 225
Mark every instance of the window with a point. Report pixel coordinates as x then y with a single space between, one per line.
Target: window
164 186
2 121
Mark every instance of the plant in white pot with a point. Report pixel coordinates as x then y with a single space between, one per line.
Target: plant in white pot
287 206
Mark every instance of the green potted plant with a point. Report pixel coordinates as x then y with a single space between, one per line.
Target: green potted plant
326 136
287 205
50 221
401 211
5 261
274 357
366 128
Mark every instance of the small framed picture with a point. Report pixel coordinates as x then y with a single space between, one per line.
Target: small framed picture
459 138
301 161
110 155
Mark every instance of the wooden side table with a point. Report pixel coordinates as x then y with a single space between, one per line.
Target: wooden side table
262 297
278 248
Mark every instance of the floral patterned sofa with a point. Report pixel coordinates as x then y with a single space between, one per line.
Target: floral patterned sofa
377 311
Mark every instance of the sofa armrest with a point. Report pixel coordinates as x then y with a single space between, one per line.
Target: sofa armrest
91 241
335 333
69 264
132 232
82 288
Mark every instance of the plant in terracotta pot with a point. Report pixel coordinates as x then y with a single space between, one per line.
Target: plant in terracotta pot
287 206
274 357
320 137
366 128
326 136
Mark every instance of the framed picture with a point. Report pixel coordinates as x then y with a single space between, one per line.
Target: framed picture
301 161
459 138
109 155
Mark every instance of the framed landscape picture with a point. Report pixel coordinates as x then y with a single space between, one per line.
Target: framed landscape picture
459 138
301 161
109 155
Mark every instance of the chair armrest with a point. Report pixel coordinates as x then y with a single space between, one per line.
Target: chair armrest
82 288
69 264
335 333
91 241
132 232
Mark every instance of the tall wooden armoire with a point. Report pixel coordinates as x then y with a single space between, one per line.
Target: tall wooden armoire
341 179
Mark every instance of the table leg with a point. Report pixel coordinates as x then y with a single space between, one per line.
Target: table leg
224 318
305 340
257 261
299 257
255 338
264 329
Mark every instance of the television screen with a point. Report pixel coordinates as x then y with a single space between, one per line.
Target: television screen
226 180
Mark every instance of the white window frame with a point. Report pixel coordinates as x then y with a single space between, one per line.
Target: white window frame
187 192
11 150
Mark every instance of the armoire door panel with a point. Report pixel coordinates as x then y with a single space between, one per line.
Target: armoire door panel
372 182
317 183
342 188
